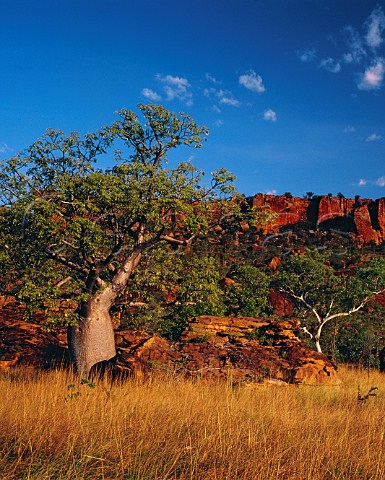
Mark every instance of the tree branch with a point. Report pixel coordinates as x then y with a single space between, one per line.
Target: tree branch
356 308
62 282
330 307
114 252
67 263
302 300
305 330
169 239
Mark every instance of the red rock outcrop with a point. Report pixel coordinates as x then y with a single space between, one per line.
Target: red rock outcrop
282 306
28 344
380 203
333 207
207 327
287 210
363 223
241 349
363 217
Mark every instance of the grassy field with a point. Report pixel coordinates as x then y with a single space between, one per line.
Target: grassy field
54 427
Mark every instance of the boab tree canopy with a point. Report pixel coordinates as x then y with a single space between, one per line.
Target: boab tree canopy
69 229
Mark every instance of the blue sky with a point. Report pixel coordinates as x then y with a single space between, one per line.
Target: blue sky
293 91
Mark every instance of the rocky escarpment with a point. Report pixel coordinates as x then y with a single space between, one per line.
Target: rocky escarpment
363 217
241 349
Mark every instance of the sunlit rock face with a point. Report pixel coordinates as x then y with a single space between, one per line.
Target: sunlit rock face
240 349
363 217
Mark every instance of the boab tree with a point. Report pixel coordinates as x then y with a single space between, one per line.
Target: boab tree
72 230
321 294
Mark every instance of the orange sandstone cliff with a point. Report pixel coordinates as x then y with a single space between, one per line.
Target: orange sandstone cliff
363 217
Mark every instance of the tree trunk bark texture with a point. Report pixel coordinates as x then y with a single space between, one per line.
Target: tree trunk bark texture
317 345
317 336
92 340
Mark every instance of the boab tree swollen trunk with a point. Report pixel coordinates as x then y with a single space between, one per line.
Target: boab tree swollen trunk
322 294
91 340
73 232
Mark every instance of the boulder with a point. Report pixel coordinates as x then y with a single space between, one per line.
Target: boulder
139 353
282 306
242 350
28 344
274 263
208 327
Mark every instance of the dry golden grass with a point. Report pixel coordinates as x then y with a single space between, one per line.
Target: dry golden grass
165 429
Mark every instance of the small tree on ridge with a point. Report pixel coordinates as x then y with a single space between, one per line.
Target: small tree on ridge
321 295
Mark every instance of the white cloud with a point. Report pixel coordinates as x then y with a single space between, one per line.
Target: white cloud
219 123
206 92
347 57
271 192
349 129
375 25
307 55
176 88
151 95
373 137
221 93
380 182
270 115
4 148
213 92
212 79
356 49
232 102
360 46
252 82
225 98
373 76
330 65
175 81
